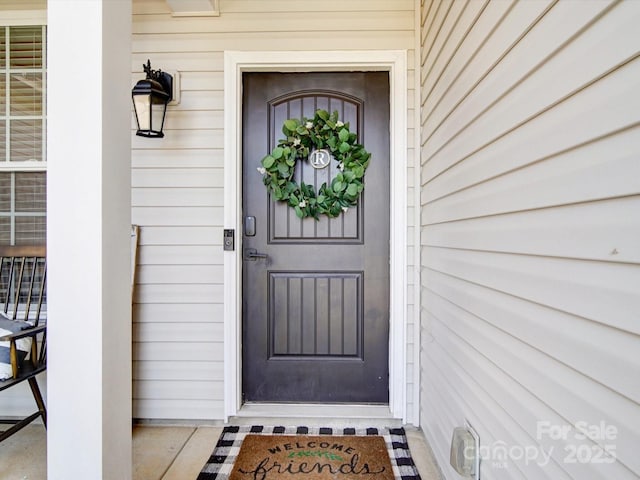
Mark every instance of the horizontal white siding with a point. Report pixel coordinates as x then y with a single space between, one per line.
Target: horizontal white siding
530 140
23 12
178 181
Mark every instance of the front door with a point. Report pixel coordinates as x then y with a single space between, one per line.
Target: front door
315 292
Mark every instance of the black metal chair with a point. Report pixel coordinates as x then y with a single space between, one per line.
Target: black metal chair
23 337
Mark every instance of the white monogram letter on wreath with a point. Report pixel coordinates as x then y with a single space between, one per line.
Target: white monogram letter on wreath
319 140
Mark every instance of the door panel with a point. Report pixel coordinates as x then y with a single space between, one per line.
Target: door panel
316 308
284 226
315 314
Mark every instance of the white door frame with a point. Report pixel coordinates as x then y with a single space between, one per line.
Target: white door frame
235 64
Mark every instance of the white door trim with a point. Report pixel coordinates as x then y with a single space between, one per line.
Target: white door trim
235 63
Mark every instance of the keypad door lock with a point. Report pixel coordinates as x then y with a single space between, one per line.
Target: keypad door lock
250 226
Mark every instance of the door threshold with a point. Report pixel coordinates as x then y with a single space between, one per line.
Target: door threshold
317 414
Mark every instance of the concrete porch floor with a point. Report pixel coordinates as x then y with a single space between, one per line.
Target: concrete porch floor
159 453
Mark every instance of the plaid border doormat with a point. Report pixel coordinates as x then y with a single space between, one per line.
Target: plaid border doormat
219 465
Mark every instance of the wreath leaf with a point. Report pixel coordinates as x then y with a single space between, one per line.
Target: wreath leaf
290 125
268 161
277 153
283 168
352 190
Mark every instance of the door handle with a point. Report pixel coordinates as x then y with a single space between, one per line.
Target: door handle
252 254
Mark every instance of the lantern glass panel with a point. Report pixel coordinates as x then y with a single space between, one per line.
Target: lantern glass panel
157 114
143 115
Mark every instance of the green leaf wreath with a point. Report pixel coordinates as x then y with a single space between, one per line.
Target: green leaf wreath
302 136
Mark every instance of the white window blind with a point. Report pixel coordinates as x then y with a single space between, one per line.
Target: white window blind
22 82
22 135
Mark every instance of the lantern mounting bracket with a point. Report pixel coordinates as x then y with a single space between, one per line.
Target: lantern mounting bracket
163 78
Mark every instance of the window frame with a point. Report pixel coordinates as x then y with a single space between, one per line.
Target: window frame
24 18
30 165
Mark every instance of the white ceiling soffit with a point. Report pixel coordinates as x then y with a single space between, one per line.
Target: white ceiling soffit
194 8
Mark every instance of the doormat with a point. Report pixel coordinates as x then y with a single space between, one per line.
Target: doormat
311 453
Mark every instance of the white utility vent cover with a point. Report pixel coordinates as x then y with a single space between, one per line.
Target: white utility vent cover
465 446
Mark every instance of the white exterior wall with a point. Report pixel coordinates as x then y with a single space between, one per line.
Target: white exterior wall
177 182
530 227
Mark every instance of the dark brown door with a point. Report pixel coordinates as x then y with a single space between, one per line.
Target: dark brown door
316 307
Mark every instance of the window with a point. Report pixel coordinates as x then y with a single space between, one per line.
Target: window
22 135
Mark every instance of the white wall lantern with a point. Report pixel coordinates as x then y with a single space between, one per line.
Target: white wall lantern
150 98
